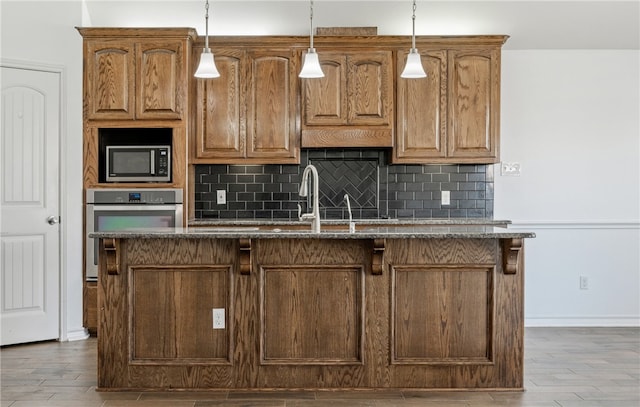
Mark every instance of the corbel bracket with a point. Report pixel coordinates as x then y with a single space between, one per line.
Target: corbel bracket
377 265
511 252
112 251
245 256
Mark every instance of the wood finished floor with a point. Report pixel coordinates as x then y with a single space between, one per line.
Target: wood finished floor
566 367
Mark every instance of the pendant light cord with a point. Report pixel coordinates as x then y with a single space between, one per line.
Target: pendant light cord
311 22
413 35
206 25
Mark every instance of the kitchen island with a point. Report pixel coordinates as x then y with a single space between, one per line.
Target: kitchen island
429 306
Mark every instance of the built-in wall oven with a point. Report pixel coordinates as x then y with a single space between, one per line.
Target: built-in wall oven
119 209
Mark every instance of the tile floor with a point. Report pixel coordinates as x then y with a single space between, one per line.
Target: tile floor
564 367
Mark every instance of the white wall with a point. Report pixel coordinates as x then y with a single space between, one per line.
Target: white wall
571 119
43 33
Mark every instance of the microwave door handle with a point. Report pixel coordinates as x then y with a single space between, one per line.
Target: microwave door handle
153 162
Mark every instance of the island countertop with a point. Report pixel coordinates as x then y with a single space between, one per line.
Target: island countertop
389 231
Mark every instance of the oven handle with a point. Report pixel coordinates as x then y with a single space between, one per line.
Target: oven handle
136 207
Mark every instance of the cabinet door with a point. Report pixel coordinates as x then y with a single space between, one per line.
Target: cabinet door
220 113
109 80
325 99
161 84
271 106
473 104
421 111
370 88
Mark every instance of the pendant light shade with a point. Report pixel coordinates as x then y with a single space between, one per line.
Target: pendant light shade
413 69
311 67
207 67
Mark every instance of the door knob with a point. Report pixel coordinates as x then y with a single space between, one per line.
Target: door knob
52 220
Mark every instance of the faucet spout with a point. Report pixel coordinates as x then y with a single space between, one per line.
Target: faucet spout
352 225
315 210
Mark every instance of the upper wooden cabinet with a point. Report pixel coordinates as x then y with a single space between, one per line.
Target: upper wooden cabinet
452 116
136 74
249 113
474 105
421 123
352 106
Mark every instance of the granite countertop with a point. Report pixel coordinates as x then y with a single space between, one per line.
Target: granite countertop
441 231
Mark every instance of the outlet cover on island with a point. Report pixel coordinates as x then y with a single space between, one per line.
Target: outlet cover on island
218 318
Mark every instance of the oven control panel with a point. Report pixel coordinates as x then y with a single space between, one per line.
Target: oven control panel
149 196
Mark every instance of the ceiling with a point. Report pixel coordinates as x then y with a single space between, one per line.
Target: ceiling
541 24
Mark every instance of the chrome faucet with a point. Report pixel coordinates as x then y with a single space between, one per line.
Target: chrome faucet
352 225
315 214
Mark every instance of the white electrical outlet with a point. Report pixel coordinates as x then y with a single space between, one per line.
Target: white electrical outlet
218 318
446 198
221 197
584 282
510 169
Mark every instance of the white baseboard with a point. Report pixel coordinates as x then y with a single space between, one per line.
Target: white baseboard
583 322
78 335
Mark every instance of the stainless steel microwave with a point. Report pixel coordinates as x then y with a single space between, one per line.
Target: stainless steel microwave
138 163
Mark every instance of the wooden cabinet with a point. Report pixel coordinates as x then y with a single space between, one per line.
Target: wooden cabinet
312 313
452 115
352 106
250 113
421 125
474 105
132 79
109 74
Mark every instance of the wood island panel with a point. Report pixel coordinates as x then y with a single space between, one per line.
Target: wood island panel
170 314
442 314
311 314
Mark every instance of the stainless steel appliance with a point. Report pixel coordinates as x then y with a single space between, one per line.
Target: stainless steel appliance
113 209
138 163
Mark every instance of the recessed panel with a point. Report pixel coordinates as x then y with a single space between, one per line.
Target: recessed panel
171 314
442 315
312 314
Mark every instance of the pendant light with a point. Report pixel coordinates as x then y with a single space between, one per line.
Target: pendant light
207 67
413 68
311 67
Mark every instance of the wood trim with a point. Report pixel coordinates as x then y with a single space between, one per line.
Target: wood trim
346 137
364 41
347 31
154 33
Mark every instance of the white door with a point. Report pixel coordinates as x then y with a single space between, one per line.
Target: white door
30 234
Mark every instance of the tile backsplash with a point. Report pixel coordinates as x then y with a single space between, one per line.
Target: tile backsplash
376 189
